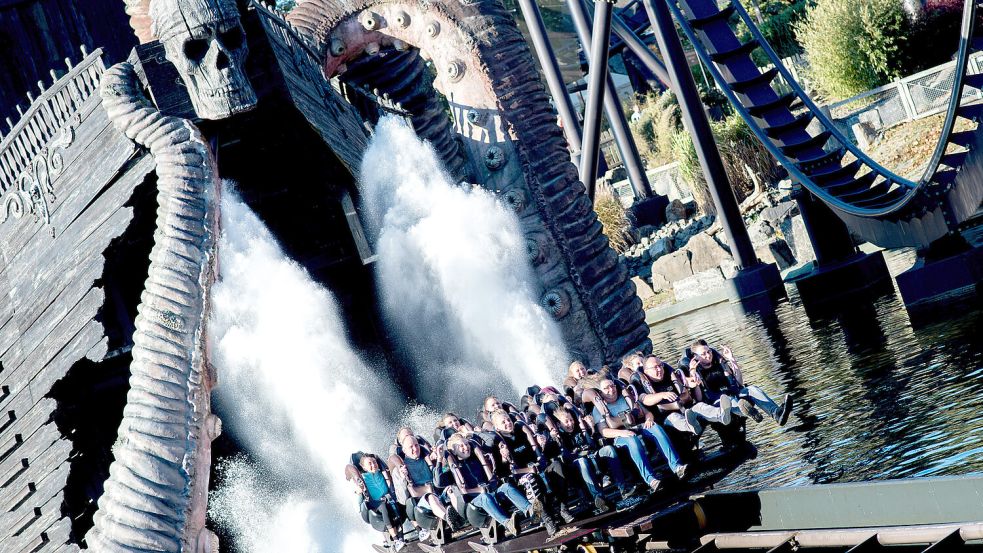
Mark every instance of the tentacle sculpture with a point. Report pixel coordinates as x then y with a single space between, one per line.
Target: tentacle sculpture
154 499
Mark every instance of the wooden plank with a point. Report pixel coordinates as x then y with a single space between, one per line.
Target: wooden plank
84 228
94 158
26 426
34 465
52 538
32 496
58 331
30 524
35 445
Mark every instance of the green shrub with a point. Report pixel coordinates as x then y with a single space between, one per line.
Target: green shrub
854 46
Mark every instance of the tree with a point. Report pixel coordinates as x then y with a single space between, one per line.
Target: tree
854 46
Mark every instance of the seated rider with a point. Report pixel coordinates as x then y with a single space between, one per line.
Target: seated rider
378 500
580 379
476 482
721 375
492 404
576 446
617 418
629 364
656 389
416 470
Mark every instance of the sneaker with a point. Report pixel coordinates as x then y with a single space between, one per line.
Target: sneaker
398 544
681 471
628 491
423 534
512 524
749 410
781 416
550 525
566 515
455 520
654 484
693 421
726 404
600 505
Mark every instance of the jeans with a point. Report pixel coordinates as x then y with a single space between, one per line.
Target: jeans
761 399
636 450
711 413
516 496
487 503
658 434
608 457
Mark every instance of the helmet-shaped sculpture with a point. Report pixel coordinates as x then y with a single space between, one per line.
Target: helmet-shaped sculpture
205 41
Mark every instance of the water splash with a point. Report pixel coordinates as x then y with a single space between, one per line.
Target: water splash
454 278
293 392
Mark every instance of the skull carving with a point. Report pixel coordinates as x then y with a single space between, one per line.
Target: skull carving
206 43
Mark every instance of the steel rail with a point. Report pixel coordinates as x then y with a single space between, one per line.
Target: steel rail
773 149
811 105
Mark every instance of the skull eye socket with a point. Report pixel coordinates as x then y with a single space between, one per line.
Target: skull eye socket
195 49
231 39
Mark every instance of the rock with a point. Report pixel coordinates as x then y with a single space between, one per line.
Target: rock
798 239
705 253
645 242
660 283
673 267
644 271
760 232
782 253
729 268
678 210
660 247
642 288
775 215
699 284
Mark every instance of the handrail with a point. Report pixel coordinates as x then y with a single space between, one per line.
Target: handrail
816 111
958 78
47 114
793 170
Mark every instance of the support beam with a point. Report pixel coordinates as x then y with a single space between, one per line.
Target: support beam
638 47
595 93
696 123
612 105
554 79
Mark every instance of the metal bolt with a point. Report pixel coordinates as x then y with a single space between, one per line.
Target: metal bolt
455 70
337 47
370 21
476 117
402 19
433 29
400 45
494 159
372 48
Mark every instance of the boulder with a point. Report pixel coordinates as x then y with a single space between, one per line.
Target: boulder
673 267
797 237
729 268
705 253
660 247
698 285
678 210
660 283
760 232
642 288
782 253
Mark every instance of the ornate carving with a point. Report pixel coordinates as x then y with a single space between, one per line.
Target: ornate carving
556 302
35 185
207 45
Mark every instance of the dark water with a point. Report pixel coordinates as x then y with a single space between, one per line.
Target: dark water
875 398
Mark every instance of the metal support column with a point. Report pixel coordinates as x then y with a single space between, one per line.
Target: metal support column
696 123
640 49
612 105
554 79
595 94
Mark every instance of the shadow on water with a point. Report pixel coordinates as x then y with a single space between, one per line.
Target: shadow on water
875 398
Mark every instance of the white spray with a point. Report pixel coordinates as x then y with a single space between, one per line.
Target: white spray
294 393
454 277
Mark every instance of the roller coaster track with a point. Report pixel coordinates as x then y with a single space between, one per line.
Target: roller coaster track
876 203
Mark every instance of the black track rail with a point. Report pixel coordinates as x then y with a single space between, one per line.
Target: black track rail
876 203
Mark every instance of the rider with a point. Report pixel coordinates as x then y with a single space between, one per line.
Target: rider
618 418
476 481
721 375
656 389
380 499
416 470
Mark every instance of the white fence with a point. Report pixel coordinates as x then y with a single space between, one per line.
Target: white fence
913 97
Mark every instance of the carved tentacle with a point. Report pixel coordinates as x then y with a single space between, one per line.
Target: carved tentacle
148 503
